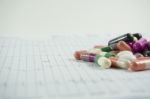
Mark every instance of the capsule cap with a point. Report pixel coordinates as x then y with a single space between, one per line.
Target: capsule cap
106 49
104 62
77 54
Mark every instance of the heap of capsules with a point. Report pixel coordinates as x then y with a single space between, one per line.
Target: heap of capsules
128 51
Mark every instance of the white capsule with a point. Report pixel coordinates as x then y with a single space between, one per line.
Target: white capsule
124 53
123 57
94 51
104 62
122 64
126 58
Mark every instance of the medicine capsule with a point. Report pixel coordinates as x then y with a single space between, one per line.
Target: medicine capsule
121 59
140 45
123 46
101 59
139 64
146 53
138 35
142 58
126 37
125 56
103 62
88 57
138 55
107 49
123 53
93 51
77 54
117 63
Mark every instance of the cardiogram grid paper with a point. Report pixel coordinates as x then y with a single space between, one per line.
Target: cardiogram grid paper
46 69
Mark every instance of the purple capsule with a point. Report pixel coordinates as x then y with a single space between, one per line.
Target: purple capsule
88 57
92 58
140 45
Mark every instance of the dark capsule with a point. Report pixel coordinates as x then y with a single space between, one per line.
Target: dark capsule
146 53
137 35
126 37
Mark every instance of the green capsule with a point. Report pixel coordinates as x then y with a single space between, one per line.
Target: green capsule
106 49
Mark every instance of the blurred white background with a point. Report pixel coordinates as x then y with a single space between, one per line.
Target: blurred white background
41 17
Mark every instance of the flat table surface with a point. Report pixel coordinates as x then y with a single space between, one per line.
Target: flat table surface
46 69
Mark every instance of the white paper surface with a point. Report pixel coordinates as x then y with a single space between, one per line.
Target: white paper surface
46 69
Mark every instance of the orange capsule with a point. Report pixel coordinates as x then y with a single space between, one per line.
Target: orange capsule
139 64
142 58
113 61
122 59
77 54
123 46
118 64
